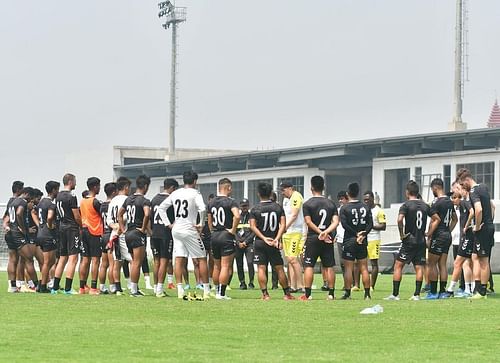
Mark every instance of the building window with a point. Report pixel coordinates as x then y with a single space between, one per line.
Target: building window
483 173
395 185
447 177
206 189
253 198
238 192
298 185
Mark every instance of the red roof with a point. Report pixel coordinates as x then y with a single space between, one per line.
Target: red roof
494 120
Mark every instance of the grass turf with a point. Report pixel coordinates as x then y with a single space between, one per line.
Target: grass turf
111 328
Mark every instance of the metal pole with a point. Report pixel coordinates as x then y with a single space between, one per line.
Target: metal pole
173 84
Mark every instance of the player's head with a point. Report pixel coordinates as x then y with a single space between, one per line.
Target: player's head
52 188
353 190
225 186
17 187
123 185
464 177
342 197
244 205
169 185
69 181
286 189
110 190
369 198
437 186
412 190
317 184
211 197
274 197
85 194
28 193
264 190
38 194
94 185
142 183
190 178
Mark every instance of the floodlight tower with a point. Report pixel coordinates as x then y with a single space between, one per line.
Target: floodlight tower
173 15
461 65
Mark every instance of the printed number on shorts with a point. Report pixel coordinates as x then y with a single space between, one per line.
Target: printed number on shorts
218 216
270 221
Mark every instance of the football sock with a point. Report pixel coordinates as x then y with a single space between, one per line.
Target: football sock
68 284
223 290
102 287
331 292
286 290
308 291
477 285
112 288
434 287
180 290
13 283
482 289
170 278
418 288
347 292
442 286
57 281
43 287
206 288
133 287
82 284
159 288
367 292
264 292
93 284
31 284
118 286
451 288
395 287
468 285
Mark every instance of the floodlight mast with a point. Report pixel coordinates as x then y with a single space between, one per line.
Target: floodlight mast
173 16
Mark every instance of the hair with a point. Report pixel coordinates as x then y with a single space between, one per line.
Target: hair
264 189
29 191
93 182
38 193
274 196
437 182
85 194
189 177
109 189
463 173
318 183
412 188
169 182
51 185
122 183
369 193
224 181
17 186
342 194
67 178
211 196
353 190
142 181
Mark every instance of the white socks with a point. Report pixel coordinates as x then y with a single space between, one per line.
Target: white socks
170 279
133 287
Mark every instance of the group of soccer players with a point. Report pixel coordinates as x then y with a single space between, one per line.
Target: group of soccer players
101 237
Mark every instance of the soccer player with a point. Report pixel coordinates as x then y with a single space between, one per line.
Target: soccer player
106 267
293 241
45 216
443 220
466 239
137 207
69 234
93 227
339 238
321 217
484 230
412 224
374 238
188 207
268 222
244 246
161 237
36 251
356 218
223 219
117 240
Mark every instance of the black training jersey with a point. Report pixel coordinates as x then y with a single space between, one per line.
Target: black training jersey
134 207
220 210
443 207
267 216
480 193
465 206
103 211
13 208
416 212
42 210
321 210
355 217
158 227
65 203
9 203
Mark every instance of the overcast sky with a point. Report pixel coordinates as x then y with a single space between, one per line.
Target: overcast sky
252 74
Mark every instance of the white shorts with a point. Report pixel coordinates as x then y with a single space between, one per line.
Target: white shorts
123 254
187 243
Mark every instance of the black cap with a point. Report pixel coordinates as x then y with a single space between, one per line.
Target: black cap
286 184
244 201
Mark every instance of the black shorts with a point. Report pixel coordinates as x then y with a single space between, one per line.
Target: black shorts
484 240
104 242
91 245
223 244
32 239
466 245
162 247
352 250
135 239
15 240
264 254
412 251
207 243
69 241
440 243
47 244
314 248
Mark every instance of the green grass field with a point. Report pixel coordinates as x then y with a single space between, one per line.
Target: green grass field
112 328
